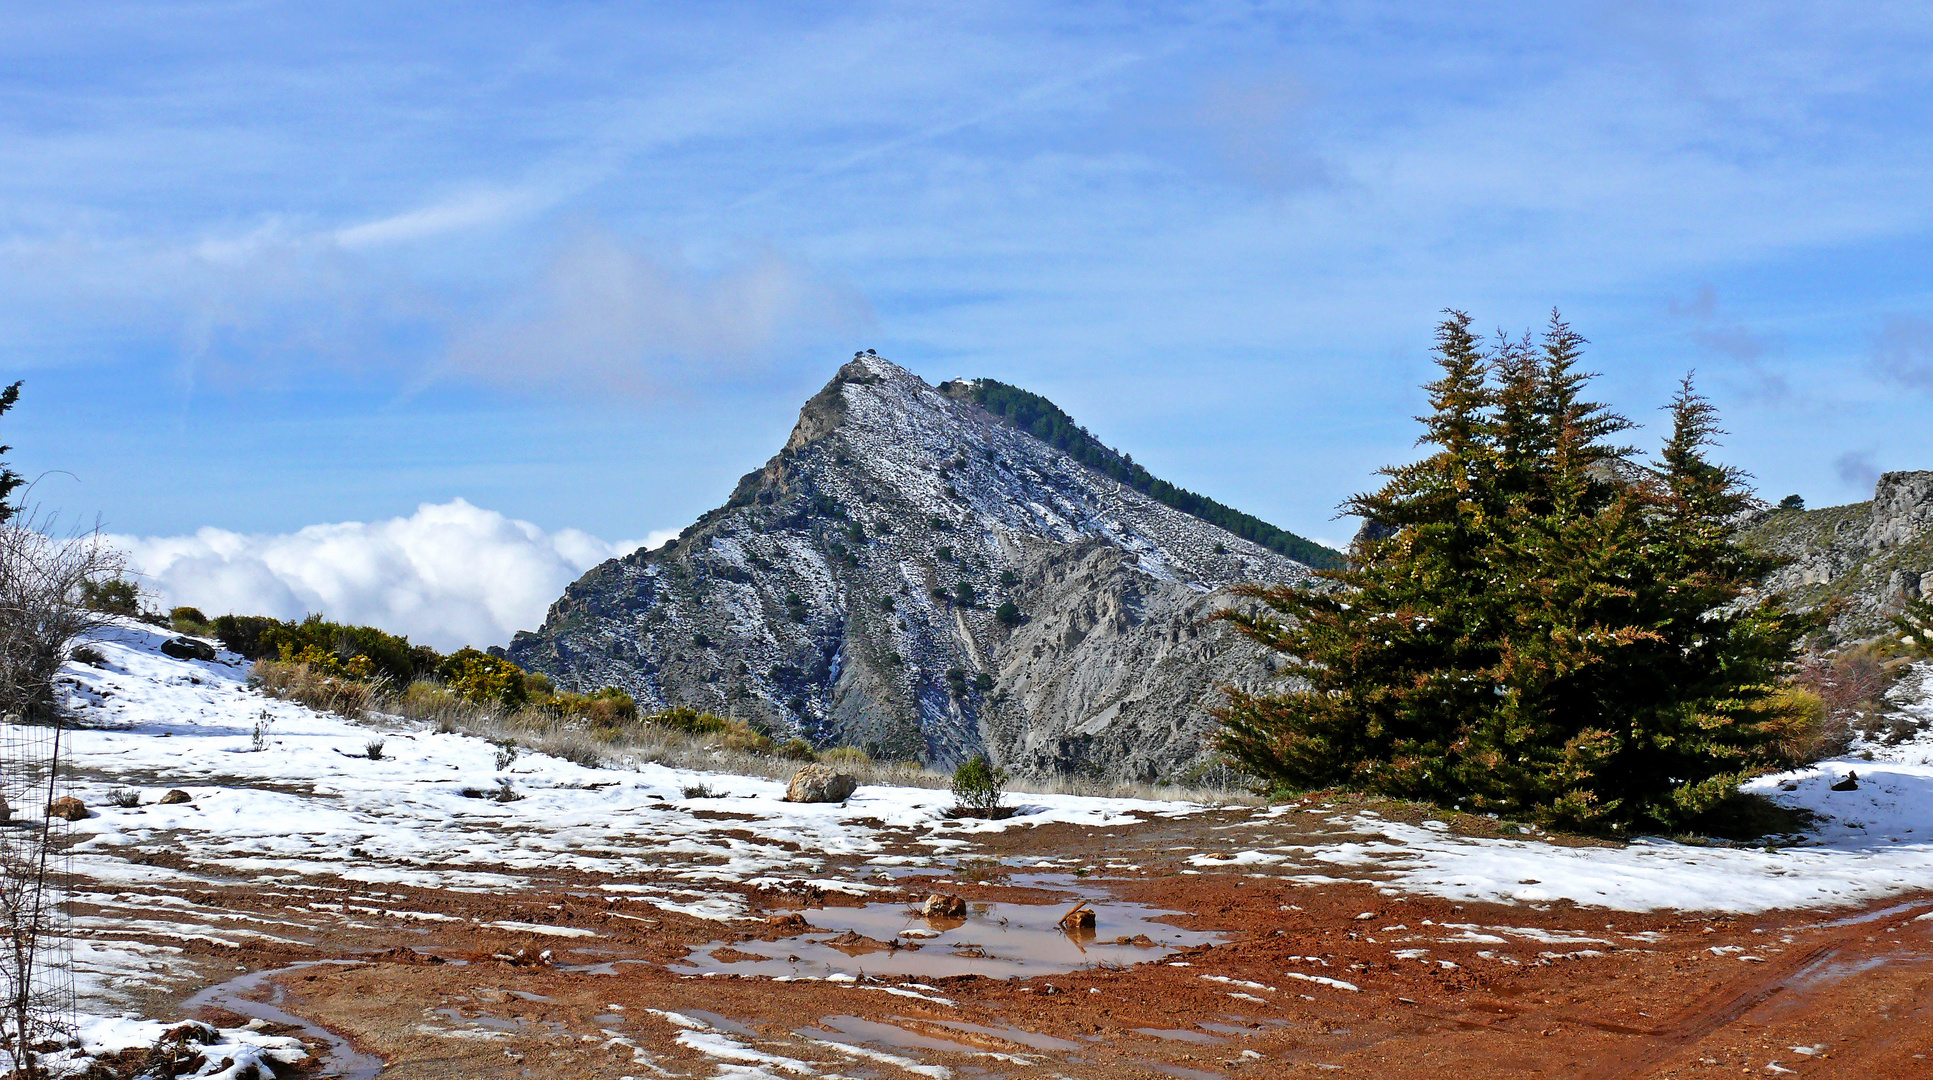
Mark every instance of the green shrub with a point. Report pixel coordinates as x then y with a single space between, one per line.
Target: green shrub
1796 719
607 708
1915 628
243 634
388 656
743 738
424 698
977 785
691 721
537 686
1007 613
845 755
1008 579
479 676
189 620
797 750
114 596
964 595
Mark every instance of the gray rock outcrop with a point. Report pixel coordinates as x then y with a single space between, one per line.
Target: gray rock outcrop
913 576
1902 509
1859 561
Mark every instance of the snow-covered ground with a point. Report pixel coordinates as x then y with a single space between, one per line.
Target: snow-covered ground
281 793
1864 844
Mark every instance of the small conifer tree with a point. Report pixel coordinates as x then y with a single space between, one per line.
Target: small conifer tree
977 786
10 481
1539 626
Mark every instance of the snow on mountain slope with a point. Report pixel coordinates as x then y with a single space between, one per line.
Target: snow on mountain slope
850 592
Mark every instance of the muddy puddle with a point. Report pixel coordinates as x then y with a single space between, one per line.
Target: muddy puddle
340 1059
855 1030
997 940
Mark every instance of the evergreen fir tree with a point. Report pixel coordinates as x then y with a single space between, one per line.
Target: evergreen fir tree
1539 626
10 481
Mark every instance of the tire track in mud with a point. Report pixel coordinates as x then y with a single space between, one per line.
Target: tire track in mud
1672 1042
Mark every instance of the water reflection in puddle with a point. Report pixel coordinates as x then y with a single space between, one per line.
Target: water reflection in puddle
852 1029
479 1020
1013 1034
997 940
1168 1069
338 1059
1181 1035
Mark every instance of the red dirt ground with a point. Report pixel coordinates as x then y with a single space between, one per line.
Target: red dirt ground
1499 992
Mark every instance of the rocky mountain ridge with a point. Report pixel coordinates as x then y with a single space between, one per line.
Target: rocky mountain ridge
1857 562
913 576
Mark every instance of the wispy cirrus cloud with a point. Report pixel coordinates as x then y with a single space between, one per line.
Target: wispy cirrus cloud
1857 469
477 209
1741 349
613 317
1902 351
333 211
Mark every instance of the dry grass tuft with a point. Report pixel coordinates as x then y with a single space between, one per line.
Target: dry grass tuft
308 685
639 742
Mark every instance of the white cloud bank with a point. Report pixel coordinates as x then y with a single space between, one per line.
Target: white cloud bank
451 574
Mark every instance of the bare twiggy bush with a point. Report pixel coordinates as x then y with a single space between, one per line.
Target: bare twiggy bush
42 619
45 580
1851 688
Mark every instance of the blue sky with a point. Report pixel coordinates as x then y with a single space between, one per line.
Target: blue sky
268 265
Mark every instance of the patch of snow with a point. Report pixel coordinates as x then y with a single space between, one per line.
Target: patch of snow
310 803
1323 980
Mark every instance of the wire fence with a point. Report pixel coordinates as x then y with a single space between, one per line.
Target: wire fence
36 953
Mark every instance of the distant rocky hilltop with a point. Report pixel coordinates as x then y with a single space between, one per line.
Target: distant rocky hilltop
914 575
1856 562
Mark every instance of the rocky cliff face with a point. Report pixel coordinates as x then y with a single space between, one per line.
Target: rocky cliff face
852 592
1858 561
